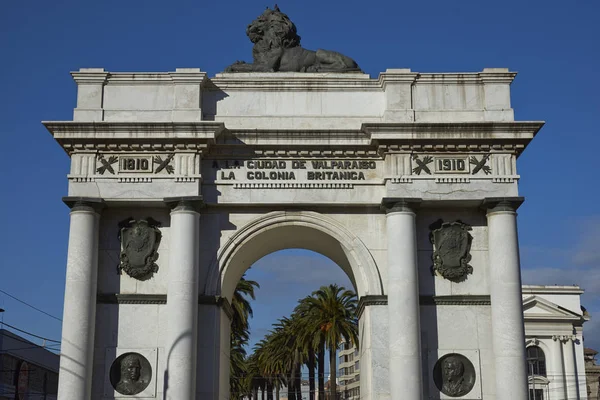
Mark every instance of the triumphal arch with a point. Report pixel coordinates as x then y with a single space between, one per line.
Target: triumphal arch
179 182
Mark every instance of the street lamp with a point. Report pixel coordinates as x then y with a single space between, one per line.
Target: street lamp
531 361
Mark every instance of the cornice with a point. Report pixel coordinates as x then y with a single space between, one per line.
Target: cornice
461 136
372 138
133 298
219 301
370 300
291 81
136 298
294 137
427 300
455 300
157 136
99 76
449 130
540 289
90 76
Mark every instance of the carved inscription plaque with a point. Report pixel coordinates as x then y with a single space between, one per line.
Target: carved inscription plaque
135 164
451 165
329 170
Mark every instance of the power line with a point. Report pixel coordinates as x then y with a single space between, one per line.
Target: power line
29 305
31 334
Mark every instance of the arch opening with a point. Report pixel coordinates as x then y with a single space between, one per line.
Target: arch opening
304 230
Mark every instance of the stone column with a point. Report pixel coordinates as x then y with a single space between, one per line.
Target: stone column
182 298
79 315
571 381
403 301
557 370
508 334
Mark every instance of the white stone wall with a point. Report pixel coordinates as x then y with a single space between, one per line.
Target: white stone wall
448 139
281 100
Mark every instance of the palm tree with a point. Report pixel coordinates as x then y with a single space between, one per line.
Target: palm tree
333 312
240 334
305 330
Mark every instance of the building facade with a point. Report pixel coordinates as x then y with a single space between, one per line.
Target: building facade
28 371
554 322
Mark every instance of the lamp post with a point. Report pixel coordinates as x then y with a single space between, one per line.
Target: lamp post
530 360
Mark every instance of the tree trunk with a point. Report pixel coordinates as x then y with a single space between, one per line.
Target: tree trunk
277 390
269 390
263 393
321 371
332 373
311 375
299 382
290 387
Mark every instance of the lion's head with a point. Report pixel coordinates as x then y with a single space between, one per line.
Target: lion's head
273 29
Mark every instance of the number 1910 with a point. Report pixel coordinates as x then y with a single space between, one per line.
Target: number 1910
134 164
451 165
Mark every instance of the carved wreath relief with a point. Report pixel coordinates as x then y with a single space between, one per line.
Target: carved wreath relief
454 375
130 374
452 244
139 245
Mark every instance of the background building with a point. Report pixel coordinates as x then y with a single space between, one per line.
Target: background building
29 371
349 372
554 337
554 322
592 374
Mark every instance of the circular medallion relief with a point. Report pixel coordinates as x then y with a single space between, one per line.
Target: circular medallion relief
454 375
130 373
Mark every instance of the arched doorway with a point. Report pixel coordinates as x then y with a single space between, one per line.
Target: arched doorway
306 230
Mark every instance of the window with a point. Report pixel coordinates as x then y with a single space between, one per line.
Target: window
537 394
536 361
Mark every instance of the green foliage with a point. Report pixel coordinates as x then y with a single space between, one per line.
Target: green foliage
324 319
240 334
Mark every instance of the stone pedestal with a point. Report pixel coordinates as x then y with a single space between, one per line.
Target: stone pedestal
182 300
77 341
508 334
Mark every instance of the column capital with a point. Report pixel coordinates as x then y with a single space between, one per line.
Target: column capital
91 204
564 338
185 203
398 204
494 204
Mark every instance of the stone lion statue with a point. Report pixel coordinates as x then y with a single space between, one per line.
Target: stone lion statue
277 48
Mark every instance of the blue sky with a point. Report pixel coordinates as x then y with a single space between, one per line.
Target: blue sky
552 44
